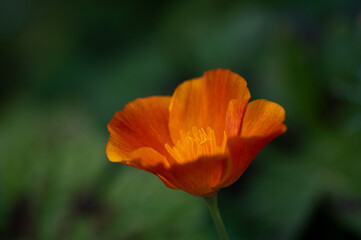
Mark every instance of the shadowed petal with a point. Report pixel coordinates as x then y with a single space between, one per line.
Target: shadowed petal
203 102
166 182
234 116
145 158
242 151
200 177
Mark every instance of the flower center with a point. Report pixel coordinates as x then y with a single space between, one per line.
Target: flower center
196 143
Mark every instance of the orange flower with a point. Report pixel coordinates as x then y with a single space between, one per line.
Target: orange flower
199 140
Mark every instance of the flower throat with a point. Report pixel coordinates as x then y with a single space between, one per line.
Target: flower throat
196 143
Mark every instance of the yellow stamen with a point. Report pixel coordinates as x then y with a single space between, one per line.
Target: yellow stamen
196 143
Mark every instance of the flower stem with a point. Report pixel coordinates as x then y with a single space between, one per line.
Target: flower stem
217 219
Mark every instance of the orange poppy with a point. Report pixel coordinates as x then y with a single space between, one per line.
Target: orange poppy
199 140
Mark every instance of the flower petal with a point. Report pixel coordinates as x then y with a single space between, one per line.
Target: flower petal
262 118
262 122
142 123
234 116
200 177
145 158
203 102
166 182
242 151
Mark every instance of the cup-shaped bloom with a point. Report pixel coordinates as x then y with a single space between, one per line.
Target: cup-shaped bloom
199 140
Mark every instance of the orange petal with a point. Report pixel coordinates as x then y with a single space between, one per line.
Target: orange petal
242 151
234 116
262 122
142 123
200 177
203 102
166 182
145 158
262 118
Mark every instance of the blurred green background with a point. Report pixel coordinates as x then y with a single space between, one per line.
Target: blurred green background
68 66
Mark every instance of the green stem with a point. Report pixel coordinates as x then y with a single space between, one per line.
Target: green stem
213 208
